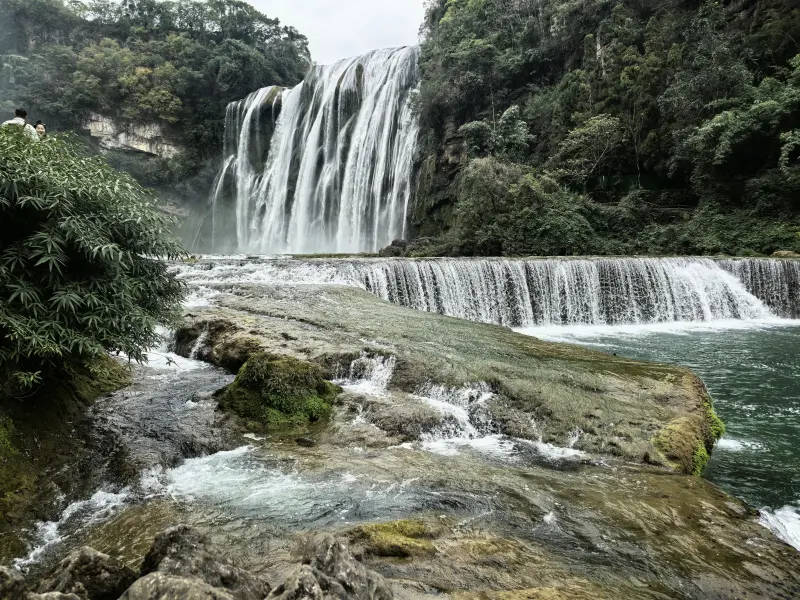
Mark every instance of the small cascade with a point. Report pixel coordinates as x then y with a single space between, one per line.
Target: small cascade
323 167
547 292
369 374
199 343
774 282
75 518
466 422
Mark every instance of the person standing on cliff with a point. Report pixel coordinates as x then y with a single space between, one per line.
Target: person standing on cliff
21 120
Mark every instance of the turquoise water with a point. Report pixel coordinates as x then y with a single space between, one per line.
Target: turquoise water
753 373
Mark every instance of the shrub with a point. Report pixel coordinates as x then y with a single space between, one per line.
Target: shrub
80 268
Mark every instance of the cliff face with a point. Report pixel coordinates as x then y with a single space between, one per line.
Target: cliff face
608 127
149 138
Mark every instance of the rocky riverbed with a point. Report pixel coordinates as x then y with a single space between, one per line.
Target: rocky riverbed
460 459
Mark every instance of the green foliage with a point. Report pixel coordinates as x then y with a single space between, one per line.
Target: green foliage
590 149
503 209
80 273
279 392
174 63
508 137
672 125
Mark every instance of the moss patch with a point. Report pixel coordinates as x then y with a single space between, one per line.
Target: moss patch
401 539
279 392
687 442
700 459
36 439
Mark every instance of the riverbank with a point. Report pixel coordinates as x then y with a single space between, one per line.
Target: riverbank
460 459
40 447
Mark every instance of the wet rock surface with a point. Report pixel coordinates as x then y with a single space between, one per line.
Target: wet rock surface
12 584
167 415
90 575
330 572
183 552
619 404
182 564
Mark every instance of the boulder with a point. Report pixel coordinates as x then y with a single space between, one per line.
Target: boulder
279 392
330 572
159 586
785 254
52 596
396 249
90 575
183 552
12 584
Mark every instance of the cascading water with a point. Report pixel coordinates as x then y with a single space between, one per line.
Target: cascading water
323 167
535 292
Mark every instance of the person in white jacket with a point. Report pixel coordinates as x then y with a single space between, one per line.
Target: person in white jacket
21 120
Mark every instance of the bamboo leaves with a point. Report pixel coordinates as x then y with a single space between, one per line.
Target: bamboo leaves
81 269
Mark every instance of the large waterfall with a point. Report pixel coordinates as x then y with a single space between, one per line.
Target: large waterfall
526 293
324 167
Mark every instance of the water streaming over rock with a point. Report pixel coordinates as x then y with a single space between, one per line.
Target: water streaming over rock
535 292
323 167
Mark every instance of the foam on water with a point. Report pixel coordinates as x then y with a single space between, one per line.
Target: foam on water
247 484
784 522
73 519
732 445
552 452
594 334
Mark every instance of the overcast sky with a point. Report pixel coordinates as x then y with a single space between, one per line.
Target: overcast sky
343 28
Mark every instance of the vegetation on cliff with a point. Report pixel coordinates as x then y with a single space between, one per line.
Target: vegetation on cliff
610 127
176 64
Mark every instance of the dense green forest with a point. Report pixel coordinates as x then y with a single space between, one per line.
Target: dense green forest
177 64
610 127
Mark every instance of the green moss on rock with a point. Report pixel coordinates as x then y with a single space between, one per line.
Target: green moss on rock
700 459
402 539
687 442
715 423
279 392
36 439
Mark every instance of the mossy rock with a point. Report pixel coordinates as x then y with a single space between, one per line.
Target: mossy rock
687 442
279 392
401 539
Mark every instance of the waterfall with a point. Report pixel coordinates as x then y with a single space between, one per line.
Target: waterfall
323 167
533 292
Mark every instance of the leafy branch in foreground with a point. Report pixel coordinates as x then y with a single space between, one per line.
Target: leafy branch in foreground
81 269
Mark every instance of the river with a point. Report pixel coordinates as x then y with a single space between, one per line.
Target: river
752 371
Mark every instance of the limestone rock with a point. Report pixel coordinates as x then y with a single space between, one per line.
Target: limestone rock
52 596
148 138
183 552
90 575
331 572
12 584
785 254
159 586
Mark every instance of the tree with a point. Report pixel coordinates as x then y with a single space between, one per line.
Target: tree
589 149
508 137
80 261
